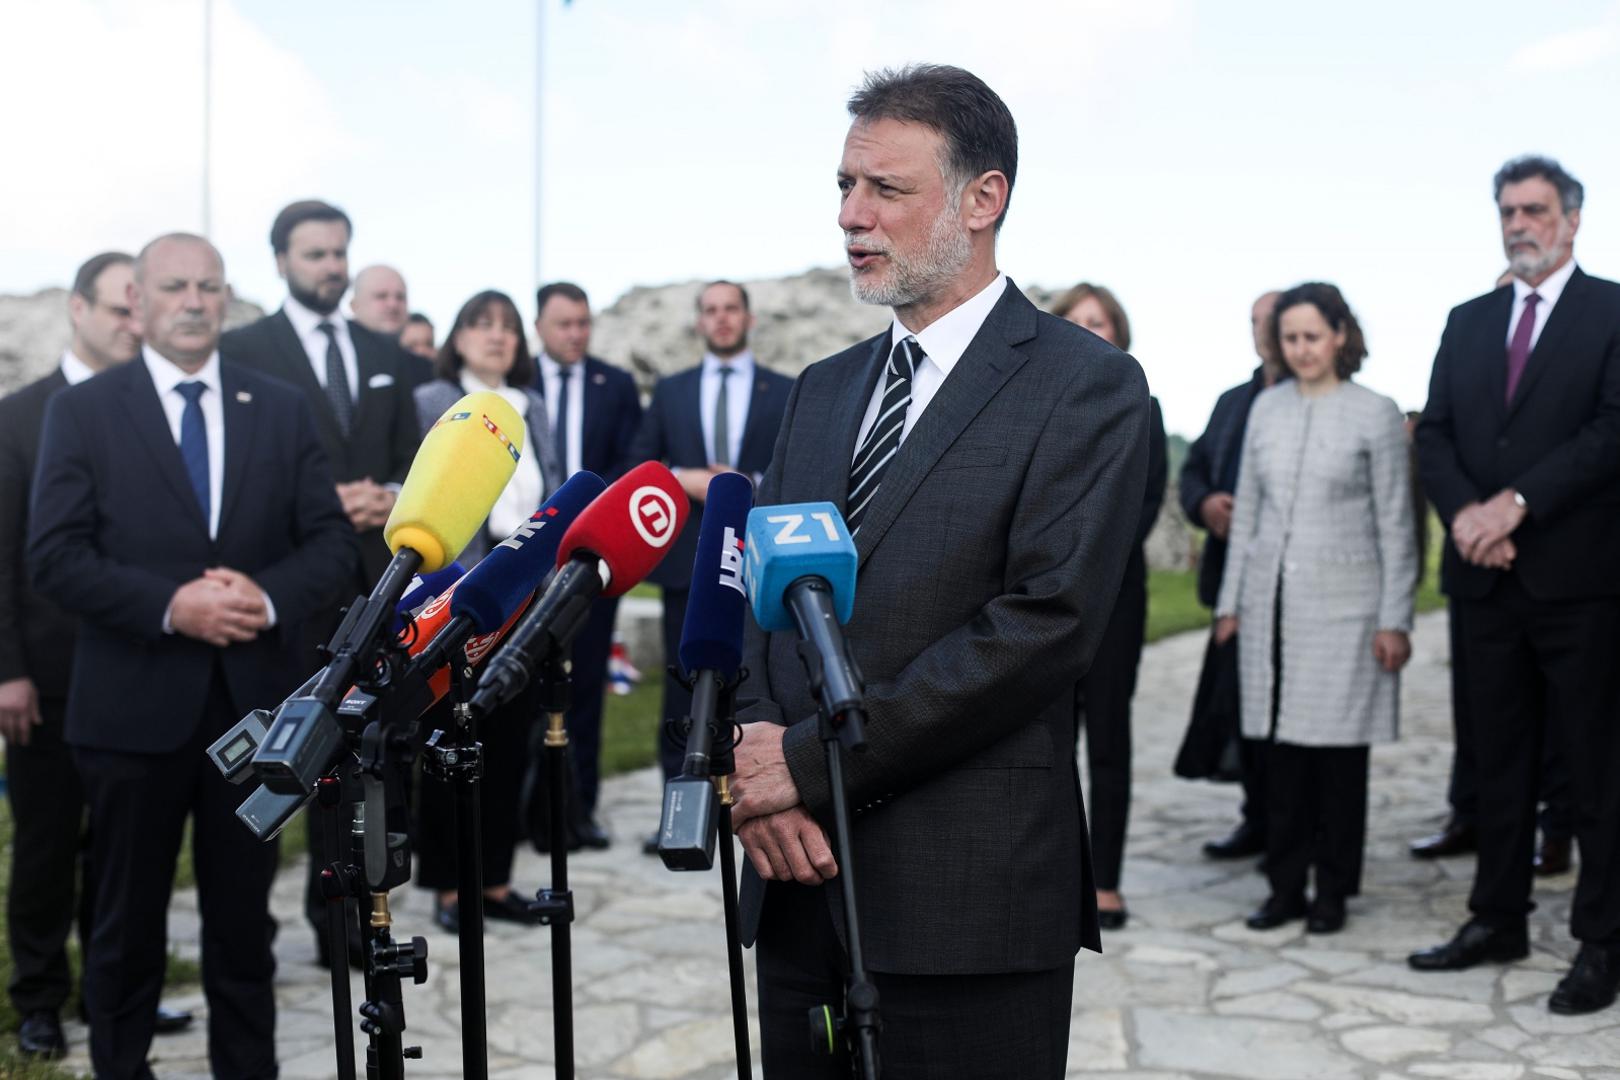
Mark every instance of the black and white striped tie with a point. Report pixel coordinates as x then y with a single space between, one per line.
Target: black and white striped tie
883 440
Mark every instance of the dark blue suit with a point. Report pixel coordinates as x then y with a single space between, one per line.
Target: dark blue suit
115 529
672 432
611 414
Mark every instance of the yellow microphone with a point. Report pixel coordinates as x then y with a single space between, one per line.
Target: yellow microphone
459 471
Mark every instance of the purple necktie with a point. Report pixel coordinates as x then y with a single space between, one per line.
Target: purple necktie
1519 347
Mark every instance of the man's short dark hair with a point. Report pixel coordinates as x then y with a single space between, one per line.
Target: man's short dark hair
84 282
418 317
1570 192
742 292
978 129
295 214
565 289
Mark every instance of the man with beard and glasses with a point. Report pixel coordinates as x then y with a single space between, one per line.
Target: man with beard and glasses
721 416
1519 449
990 461
359 385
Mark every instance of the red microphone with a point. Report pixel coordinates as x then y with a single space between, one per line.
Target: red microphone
614 543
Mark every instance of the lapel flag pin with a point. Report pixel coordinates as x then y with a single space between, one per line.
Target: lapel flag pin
599 379
244 397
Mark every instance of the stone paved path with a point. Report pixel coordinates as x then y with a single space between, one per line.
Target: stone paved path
1185 992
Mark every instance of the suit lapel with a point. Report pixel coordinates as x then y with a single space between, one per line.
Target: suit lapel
1565 313
844 425
240 415
296 362
1493 350
152 428
983 369
758 407
689 402
366 364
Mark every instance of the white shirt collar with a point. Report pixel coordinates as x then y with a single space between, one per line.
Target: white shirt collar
743 361
552 367
306 322
74 370
166 374
947 337
1549 290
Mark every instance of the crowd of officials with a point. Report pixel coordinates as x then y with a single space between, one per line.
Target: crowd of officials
182 528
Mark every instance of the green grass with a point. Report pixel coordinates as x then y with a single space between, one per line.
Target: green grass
1173 605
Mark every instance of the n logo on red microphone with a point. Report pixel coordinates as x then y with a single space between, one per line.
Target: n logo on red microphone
652 512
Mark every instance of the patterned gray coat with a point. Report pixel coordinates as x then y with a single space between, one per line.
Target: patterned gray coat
1323 511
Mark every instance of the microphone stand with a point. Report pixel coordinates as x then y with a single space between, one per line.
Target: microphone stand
458 759
841 726
724 764
337 887
555 906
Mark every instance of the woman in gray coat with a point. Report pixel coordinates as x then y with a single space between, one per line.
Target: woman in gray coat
1319 577
486 350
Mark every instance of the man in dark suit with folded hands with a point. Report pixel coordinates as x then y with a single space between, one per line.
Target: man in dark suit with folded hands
990 461
1519 449
184 512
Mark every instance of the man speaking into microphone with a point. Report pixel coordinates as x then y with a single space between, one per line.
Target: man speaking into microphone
989 460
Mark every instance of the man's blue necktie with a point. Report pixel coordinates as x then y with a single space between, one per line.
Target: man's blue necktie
560 433
194 442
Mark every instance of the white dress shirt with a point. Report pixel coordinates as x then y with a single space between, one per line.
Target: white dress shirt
307 325
1549 291
574 438
74 370
945 340
165 377
739 392
518 499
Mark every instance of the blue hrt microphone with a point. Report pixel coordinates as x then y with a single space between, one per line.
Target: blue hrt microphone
800 572
497 588
710 654
422 589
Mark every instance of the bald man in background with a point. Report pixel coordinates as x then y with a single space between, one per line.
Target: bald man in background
381 304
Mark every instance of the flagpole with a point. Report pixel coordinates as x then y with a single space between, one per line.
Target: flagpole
208 119
539 111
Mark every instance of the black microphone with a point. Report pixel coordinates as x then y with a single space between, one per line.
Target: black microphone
710 654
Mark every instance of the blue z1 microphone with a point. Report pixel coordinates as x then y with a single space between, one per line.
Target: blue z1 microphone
800 572
710 654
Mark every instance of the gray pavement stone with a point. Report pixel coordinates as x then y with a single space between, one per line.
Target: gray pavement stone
1185 992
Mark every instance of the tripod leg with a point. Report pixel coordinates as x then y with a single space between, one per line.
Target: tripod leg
470 889
562 961
330 799
728 883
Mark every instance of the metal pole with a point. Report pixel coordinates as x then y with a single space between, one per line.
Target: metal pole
208 129
539 111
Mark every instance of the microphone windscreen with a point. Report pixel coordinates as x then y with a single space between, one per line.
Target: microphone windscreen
514 568
630 526
424 587
785 543
712 636
459 471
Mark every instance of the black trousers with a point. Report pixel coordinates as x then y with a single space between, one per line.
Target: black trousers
677 699
1103 698
48 837
1557 816
1542 671
138 808
1011 1026
1318 819
505 738
1254 755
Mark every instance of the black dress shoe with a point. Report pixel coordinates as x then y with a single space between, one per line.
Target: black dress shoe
1553 856
1112 920
170 1021
1590 984
40 1036
1455 839
591 835
1476 943
447 916
510 908
1243 841
1274 913
1326 916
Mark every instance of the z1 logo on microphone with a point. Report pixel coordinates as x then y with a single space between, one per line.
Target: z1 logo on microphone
790 534
731 561
652 512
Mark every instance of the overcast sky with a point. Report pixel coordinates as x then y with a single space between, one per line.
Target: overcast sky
1187 154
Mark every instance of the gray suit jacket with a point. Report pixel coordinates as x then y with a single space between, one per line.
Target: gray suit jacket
990 560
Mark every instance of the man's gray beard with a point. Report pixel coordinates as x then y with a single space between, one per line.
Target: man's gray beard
942 260
1527 265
